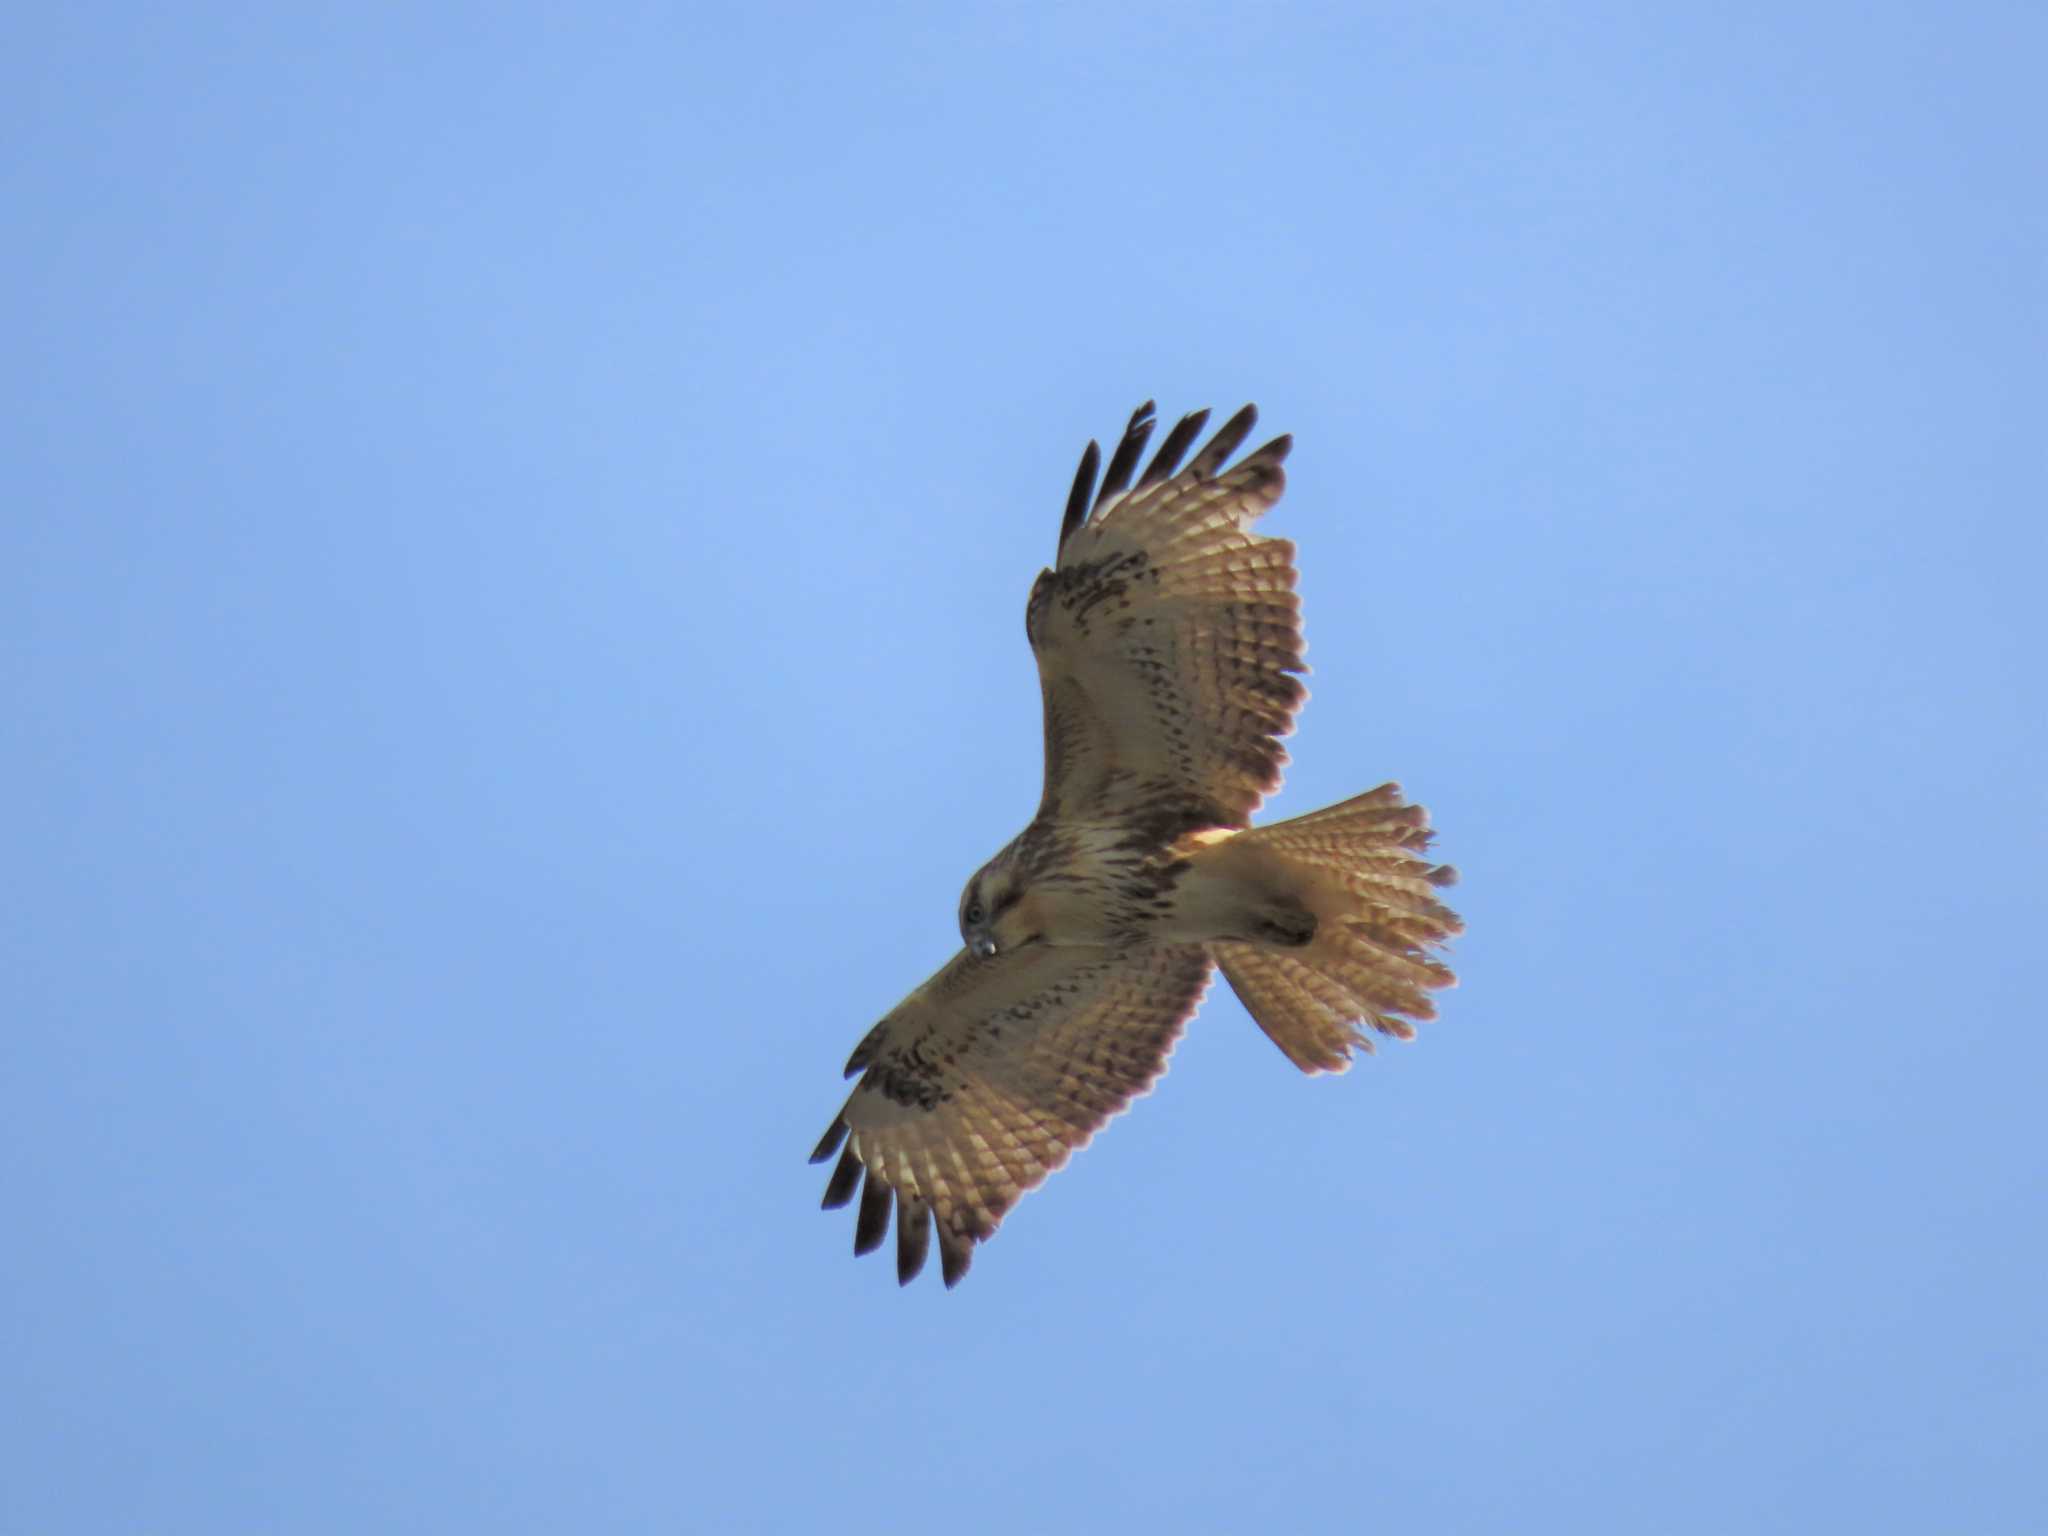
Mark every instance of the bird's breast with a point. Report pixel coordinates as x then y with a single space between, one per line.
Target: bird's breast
1098 886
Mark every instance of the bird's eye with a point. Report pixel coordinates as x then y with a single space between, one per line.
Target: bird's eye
974 913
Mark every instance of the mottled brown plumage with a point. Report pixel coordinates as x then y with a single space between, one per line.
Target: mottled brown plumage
1169 649
960 1121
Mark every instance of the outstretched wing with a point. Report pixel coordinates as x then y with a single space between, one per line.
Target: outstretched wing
1168 636
984 1079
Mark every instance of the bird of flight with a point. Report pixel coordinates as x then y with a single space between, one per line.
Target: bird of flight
1169 644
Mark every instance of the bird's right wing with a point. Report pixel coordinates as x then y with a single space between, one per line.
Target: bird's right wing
987 1077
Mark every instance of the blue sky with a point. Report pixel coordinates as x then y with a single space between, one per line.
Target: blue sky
516 530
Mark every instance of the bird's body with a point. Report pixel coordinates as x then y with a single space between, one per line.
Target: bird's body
1084 883
1107 885
1169 646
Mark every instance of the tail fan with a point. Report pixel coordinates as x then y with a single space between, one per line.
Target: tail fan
1370 966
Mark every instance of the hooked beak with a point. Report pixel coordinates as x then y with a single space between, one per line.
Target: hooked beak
981 945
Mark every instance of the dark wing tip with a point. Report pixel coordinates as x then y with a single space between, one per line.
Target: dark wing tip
865 1051
956 1253
828 1143
1167 459
1082 493
840 1188
1123 464
1220 447
1274 452
872 1225
1122 473
913 1236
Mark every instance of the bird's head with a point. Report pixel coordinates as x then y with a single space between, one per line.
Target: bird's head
990 921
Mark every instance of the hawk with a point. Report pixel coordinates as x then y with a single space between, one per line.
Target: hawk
1169 647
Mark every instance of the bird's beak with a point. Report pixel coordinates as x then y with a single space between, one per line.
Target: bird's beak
981 944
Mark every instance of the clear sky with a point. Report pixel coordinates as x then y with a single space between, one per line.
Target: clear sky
514 529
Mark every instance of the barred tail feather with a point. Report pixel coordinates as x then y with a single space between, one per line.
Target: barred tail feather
1370 966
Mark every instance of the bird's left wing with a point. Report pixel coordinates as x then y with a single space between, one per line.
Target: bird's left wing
1168 635
987 1077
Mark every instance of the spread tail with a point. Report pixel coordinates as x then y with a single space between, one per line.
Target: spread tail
1358 867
